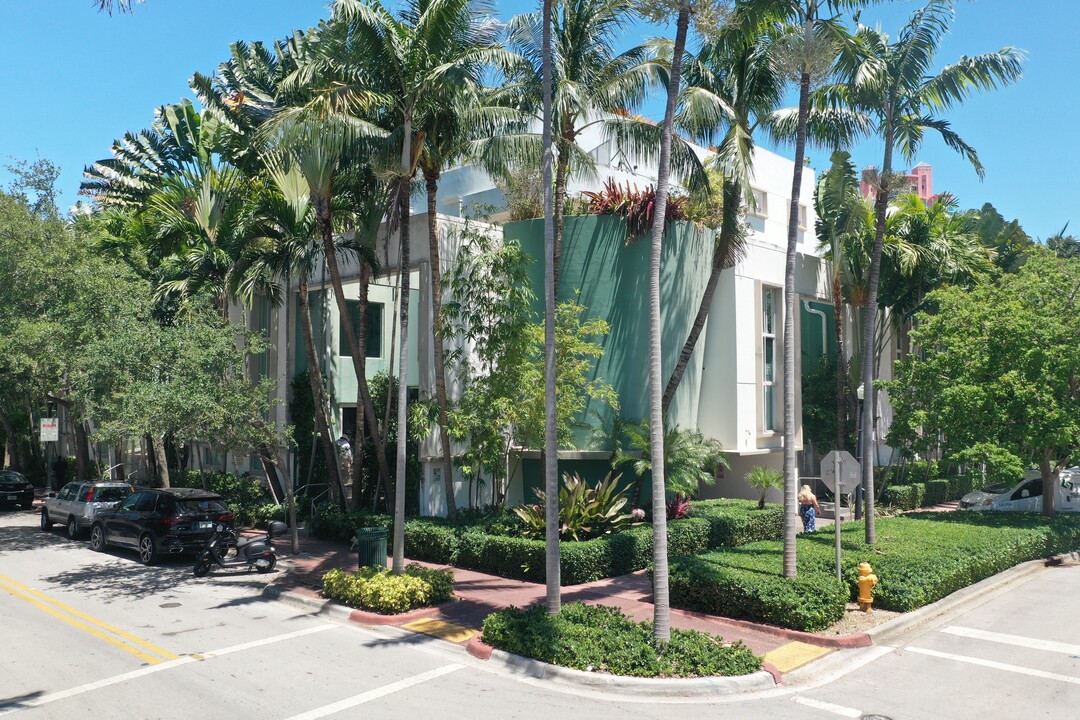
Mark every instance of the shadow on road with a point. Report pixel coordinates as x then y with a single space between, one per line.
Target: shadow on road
21 538
118 581
18 701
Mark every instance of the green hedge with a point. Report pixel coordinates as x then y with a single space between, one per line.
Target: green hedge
919 558
329 523
916 495
603 639
735 522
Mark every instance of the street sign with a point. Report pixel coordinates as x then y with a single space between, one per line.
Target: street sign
849 470
50 429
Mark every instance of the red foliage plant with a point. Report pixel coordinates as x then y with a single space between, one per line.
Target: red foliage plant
633 204
678 508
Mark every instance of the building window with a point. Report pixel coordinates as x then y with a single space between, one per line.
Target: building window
802 217
759 203
374 329
768 358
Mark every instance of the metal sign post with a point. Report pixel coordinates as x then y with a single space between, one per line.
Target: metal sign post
839 470
50 433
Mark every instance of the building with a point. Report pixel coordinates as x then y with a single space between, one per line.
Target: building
919 181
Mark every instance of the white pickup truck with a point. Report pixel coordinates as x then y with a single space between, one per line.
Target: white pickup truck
1027 495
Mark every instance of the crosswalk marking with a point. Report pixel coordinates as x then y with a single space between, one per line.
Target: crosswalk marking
828 707
996 665
376 693
1017 640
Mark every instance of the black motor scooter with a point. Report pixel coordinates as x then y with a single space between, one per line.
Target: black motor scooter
257 552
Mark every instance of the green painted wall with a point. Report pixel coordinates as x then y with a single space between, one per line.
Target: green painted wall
613 280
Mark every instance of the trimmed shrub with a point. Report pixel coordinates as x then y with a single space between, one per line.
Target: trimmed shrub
808 602
603 639
938 491
329 523
735 522
431 539
919 558
375 589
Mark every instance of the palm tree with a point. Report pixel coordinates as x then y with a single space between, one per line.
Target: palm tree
589 81
395 67
553 574
841 215
893 81
730 83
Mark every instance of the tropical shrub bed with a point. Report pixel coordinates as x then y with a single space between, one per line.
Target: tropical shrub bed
735 522
375 589
329 523
919 558
603 639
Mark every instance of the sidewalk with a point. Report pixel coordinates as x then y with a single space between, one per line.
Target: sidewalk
477 595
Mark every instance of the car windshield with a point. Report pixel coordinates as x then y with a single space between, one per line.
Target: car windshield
997 489
110 494
11 476
203 505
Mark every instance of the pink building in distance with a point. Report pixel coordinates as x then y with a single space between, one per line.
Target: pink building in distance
920 180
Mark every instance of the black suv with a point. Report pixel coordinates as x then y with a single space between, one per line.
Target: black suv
155 522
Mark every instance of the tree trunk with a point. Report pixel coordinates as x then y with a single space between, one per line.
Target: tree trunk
791 482
552 566
358 432
1049 473
841 359
432 179
403 359
12 459
562 170
315 379
359 365
881 205
661 601
82 449
161 461
729 230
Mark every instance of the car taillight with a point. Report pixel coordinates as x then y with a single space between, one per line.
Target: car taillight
171 519
90 495
226 517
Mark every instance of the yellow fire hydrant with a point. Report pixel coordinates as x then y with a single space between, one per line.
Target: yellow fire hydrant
867 581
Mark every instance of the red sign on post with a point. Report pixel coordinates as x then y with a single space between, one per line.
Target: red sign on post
50 429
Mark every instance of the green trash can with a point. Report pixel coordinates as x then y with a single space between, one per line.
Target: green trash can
371 546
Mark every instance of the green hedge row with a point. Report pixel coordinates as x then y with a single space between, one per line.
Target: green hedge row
917 495
603 639
737 522
919 558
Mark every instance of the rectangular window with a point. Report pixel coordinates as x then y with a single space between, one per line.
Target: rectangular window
374 329
768 358
759 203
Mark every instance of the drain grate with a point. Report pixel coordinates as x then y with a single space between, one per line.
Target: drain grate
169 605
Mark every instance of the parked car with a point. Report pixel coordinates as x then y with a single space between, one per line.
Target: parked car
161 521
15 488
78 503
1027 495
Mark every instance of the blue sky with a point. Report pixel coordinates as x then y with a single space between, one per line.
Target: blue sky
75 79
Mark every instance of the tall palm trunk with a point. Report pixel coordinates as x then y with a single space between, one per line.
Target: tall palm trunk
841 359
729 230
361 342
790 481
881 206
315 379
431 178
661 600
551 444
562 171
403 360
326 229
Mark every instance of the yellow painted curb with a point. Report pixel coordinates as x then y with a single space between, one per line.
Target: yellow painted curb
442 630
788 657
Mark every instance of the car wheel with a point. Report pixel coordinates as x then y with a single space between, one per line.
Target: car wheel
265 565
147 549
46 523
73 528
97 538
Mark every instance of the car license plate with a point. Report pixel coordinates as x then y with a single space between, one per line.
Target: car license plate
203 525
12 497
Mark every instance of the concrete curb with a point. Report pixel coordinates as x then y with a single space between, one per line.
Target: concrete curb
631 686
900 625
854 640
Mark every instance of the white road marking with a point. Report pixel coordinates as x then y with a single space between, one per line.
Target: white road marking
828 707
997 666
1017 640
376 693
266 641
167 665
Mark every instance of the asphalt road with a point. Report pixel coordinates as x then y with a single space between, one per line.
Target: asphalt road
98 635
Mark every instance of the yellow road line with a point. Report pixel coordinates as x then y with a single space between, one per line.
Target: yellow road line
6 585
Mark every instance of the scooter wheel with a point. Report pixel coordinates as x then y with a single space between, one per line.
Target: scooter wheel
202 567
265 565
